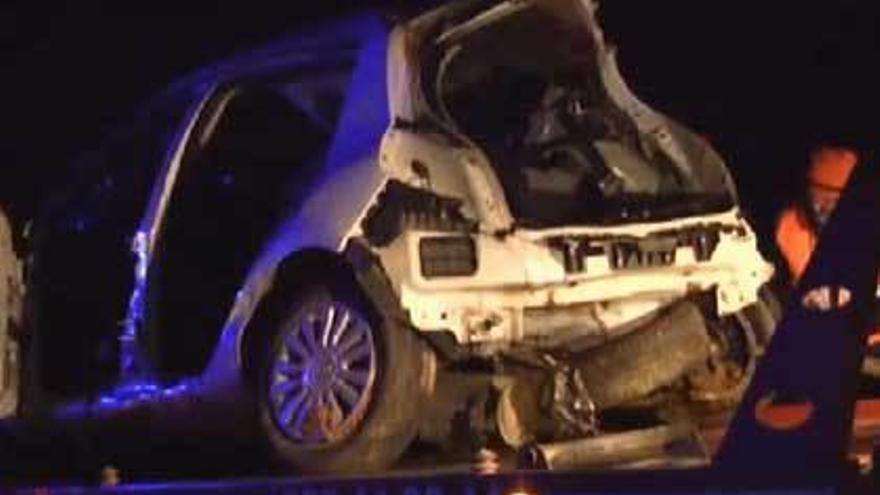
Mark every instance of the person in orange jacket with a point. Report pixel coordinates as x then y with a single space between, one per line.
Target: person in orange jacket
799 225
797 232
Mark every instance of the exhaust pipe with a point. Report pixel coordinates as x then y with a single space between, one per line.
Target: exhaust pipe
608 449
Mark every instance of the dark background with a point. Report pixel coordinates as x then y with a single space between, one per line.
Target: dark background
763 81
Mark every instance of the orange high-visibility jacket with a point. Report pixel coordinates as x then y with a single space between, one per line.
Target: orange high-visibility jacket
796 240
830 169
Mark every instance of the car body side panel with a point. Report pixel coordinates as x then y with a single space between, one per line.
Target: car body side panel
401 76
459 170
351 178
675 141
463 174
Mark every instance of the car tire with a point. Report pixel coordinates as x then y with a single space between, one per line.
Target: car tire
358 379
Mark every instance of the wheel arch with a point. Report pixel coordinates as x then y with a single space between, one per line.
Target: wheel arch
356 266
390 422
293 274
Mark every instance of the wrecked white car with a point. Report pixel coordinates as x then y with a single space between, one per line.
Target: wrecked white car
367 230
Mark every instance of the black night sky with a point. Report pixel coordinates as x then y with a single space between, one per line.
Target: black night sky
762 82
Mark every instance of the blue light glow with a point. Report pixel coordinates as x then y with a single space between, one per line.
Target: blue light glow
80 224
227 179
131 363
129 395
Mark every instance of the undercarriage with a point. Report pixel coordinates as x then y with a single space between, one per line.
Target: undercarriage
647 388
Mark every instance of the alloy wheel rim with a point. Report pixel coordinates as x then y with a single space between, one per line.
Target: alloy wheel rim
323 374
